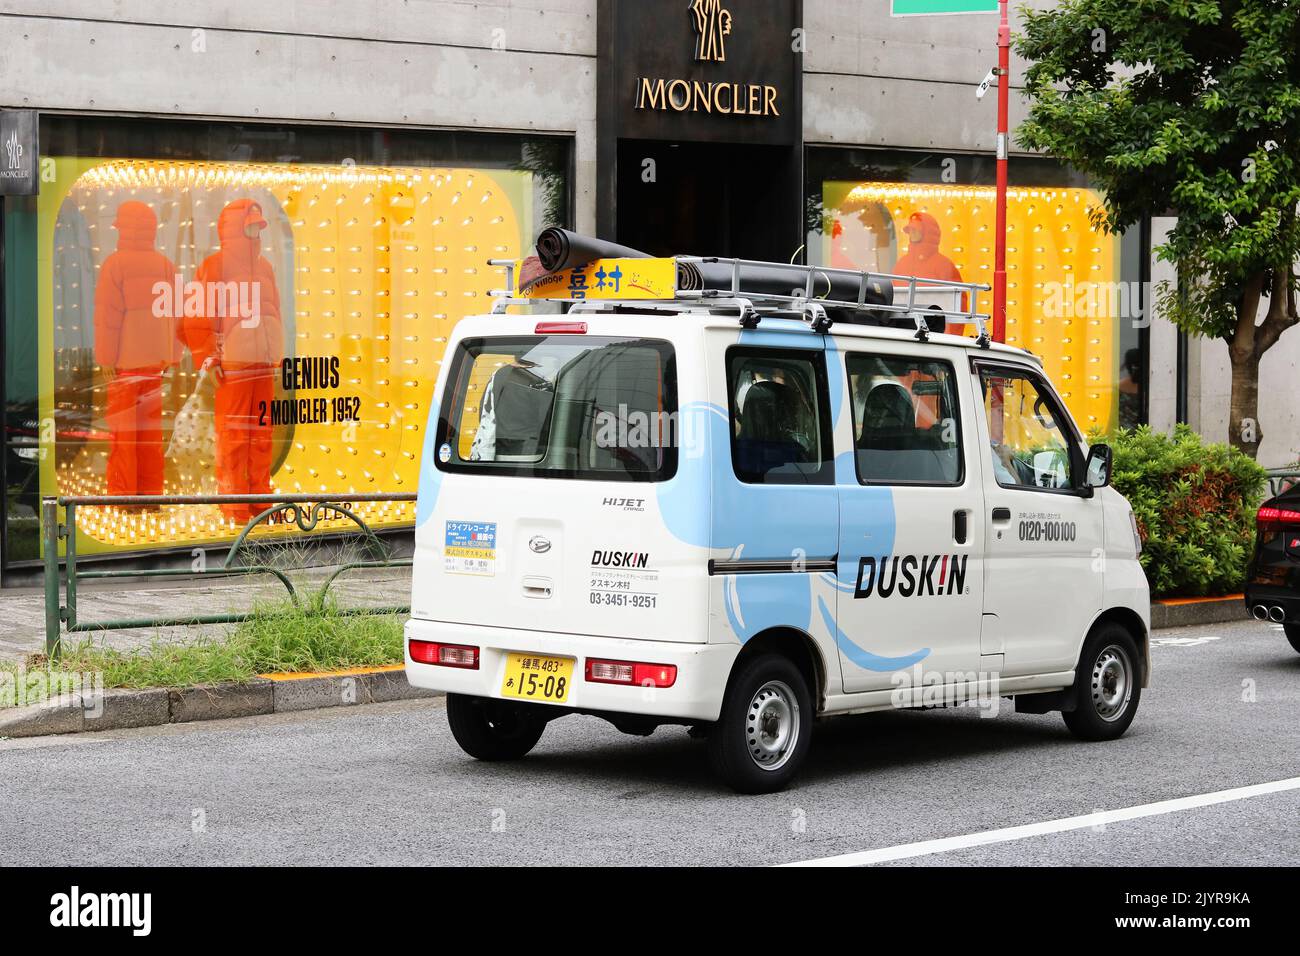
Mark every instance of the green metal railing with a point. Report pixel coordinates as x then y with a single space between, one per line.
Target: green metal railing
304 511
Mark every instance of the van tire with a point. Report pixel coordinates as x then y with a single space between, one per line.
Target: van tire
1292 632
489 729
1107 685
772 689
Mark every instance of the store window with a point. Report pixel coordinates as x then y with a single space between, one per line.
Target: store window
1075 295
217 309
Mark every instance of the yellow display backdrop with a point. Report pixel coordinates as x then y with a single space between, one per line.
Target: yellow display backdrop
1052 248
373 265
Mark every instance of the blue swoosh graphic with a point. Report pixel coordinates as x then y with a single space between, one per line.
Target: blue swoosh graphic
834 581
864 658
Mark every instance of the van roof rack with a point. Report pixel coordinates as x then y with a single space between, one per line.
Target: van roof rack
747 285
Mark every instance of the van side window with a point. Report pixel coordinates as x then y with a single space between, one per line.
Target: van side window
1031 441
780 420
906 422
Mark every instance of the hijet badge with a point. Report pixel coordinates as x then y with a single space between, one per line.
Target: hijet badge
470 547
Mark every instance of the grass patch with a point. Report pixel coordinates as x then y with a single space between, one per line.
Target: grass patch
277 639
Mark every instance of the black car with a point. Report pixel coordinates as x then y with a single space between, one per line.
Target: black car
1273 583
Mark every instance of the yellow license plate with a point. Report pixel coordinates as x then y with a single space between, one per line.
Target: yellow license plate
534 677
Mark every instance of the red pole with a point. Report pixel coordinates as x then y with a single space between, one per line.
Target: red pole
1004 122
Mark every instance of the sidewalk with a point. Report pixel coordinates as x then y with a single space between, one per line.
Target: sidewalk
22 610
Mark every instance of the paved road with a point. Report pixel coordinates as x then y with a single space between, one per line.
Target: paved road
386 784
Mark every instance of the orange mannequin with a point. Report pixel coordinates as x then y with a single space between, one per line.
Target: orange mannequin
241 342
133 346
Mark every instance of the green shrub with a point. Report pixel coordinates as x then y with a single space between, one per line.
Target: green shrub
1195 505
276 639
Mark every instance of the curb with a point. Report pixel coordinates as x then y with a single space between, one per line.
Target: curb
1187 612
270 694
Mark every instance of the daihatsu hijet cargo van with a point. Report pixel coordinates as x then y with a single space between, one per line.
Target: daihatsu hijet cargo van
734 513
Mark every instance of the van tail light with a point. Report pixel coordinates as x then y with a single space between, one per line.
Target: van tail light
561 328
631 673
444 655
1275 519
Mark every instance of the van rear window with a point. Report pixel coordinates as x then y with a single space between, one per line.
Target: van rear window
561 406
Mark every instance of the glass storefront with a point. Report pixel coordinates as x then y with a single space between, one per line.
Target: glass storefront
197 308
1075 295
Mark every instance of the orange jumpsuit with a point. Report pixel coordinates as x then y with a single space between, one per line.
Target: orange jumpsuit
240 330
137 344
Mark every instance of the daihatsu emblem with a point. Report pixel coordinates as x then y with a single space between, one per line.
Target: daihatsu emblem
539 545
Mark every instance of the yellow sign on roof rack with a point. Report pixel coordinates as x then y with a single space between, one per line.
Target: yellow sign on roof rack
608 279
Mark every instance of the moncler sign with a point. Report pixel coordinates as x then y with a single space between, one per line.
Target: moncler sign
713 26
18 153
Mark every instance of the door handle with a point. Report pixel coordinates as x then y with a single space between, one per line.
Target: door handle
959 526
1001 514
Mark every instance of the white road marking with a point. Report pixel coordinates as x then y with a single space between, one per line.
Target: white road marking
1183 641
1101 818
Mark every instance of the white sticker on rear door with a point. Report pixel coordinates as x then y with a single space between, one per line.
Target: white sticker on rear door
470 548
623 579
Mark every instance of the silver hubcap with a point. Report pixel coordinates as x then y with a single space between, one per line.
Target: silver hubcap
1111 683
772 725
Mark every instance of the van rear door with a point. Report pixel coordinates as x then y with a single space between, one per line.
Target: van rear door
543 510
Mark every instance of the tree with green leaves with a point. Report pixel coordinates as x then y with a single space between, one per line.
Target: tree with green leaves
1188 108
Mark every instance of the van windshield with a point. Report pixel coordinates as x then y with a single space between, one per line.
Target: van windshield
561 406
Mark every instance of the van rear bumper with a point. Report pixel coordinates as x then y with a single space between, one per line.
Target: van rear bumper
702 669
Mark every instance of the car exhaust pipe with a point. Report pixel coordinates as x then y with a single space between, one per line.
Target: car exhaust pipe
1260 612
1276 615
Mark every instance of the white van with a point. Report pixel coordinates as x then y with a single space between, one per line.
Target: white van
733 513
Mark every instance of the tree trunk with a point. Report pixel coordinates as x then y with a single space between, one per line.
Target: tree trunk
1247 345
1243 410
1243 418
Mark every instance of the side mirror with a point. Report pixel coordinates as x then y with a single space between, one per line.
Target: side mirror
1096 470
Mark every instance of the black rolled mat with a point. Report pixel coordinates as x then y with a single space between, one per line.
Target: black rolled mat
560 249
780 280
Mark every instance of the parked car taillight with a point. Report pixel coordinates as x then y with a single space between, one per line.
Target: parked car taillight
1272 518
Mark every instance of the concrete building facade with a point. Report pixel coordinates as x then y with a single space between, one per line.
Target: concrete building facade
884 136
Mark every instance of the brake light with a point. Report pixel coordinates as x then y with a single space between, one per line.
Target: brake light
631 673
561 328
444 655
1273 519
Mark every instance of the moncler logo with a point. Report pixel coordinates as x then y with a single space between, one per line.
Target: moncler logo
712 27
13 151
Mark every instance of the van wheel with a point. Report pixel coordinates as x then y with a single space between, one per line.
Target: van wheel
1107 685
489 729
1293 635
763 732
